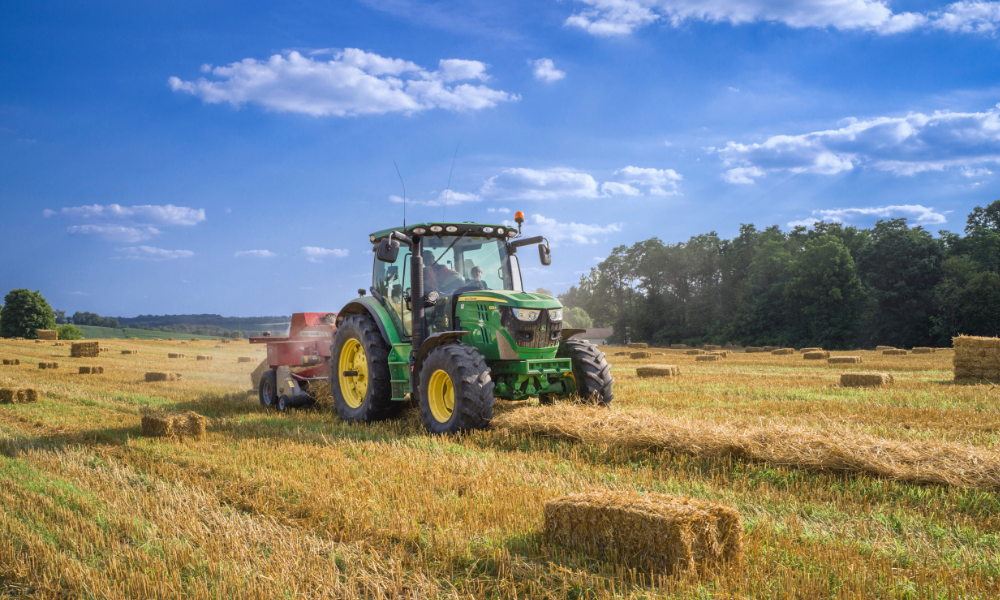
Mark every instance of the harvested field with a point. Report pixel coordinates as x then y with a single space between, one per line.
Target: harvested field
844 360
301 504
708 358
866 379
658 371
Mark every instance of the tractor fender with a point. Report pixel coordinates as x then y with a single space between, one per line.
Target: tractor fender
568 333
371 306
432 342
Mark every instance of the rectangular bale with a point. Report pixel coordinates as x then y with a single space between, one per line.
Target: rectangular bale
976 358
707 358
711 347
783 351
174 355
678 346
883 348
804 350
656 533
84 371
816 355
921 350
638 346
203 357
29 396
770 348
7 396
844 360
658 371
866 379
694 352
245 359
894 353
152 376
130 352
85 349
753 349
47 334
633 355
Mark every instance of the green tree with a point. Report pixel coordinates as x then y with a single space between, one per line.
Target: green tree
545 292
576 318
968 301
763 319
70 332
986 218
25 312
823 286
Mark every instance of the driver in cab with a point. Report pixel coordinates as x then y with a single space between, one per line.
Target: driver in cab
439 278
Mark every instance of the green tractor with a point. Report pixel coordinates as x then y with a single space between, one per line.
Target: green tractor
448 325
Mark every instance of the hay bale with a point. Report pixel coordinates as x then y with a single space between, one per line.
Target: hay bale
58 344
924 350
12 361
202 357
48 365
130 352
770 348
711 347
811 350
977 358
170 339
84 370
866 379
225 341
783 351
30 395
656 533
844 360
175 355
753 349
633 355
158 425
257 373
163 376
694 352
707 358
179 425
881 348
244 359
85 349
894 353
678 346
7 396
638 346
218 346
658 371
622 353
97 370
816 355
47 334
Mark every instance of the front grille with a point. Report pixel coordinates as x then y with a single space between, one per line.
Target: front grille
540 333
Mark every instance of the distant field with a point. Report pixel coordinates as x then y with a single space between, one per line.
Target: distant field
302 505
108 333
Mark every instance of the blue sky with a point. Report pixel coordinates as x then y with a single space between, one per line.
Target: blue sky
232 158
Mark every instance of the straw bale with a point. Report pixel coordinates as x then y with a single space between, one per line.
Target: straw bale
218 346
7 396
770 348
783 351
711 347
130 352
182 343
30 395
811 350
244 359
844 360
658 371
881 348
174 425
924 350
12 361
97 370
831 449
707 358
721 353
753 349
638 346
657 533
47 334
694 352
158 425
174 355
59 344
48 365
816 355
258 372
163 376
170 339
977 358
38 341
894 352
84 370
194 339
85 349
203 357
866 379
225 341
678 346
622 353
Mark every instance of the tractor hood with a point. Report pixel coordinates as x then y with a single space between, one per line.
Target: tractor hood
509 298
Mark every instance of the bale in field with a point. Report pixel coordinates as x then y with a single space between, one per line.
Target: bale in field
202 357
97 370
30 395
844 360
894 353
194 339
7 396
924 350
47 334
657 533
694 352
707 358
623 353
711 347
816 355
48 365
866 379
811 350
719 353
244 359
180 425
218 346
638 346
170 339
678 346
59 344
881 348
783 351
130 352
770 348
12 361
753 349
163 376
85 349
84 370
658 371
175 355
977 358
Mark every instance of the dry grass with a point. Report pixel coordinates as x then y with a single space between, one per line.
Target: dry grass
638 346
273 505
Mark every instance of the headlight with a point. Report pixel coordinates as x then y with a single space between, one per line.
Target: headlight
487 230
435 228
433 296
527 314
419 231
555 314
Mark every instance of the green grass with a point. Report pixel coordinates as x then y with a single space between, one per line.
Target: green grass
107 333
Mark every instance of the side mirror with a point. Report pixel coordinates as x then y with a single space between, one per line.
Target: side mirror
544 254
388 250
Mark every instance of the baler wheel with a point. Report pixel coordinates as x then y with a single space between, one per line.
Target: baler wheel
456 391
359 352
267 388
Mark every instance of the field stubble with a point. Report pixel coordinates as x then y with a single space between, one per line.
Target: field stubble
270 505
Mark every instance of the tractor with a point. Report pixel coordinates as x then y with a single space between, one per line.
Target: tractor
449 326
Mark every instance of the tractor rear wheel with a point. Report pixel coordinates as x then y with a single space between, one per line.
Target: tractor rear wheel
359 372
456 391
267 389
591 371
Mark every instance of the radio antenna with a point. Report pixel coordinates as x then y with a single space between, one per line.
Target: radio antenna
447 190
404 193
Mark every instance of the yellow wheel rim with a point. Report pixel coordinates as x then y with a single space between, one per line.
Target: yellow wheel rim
441 396
353 387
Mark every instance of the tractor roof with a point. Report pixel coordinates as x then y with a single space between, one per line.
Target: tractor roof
449 229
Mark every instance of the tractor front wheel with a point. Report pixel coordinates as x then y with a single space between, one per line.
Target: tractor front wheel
456 392
359 372
591 371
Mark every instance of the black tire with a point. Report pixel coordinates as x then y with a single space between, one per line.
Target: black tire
283 403
377 404
473 389
546 399
590 370
267 387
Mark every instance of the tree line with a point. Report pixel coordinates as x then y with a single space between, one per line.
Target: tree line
831 286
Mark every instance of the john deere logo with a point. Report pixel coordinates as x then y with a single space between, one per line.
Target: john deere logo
543 328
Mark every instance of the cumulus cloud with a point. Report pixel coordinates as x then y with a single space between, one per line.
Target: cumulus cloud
900 145
661 182
614 188
535 184
115 233
922 215
151 253
545 70
353 82
146 215
445 198
568 233
316 255
622 17
256 253
505 211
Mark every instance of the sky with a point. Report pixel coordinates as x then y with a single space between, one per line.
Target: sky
207 157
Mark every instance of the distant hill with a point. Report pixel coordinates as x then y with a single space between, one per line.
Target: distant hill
107 333
232 323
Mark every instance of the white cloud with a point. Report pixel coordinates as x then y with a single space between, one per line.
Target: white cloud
545 70
900 145
534 184
622 17
78 294
613 188
151 253
316 255
505 211
146 215
352 83
256 253
568 233
115 233
445 198
922 215
659 180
